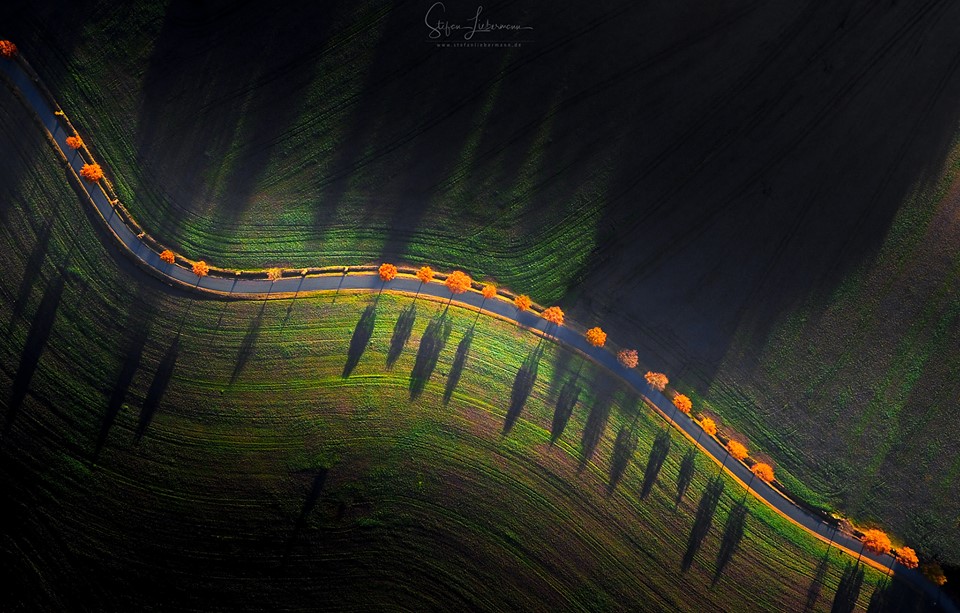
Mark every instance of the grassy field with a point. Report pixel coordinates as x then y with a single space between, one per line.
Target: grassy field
745 194
212 454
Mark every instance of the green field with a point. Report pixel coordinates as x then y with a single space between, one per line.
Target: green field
211 454
766 221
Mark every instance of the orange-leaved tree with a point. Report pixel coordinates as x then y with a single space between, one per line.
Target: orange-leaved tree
657 380
425 275
876 541
201 269
458 282
273 274
168 256
628 358
682 403
387 272
737 450
934 572
522 302
553 314
763 471
91 172
907 557
709 426
7 48
74 142
489 291
596 337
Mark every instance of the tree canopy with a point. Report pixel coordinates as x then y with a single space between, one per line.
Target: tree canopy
168 256
425 274
522 302
553 314
763 471
709 426
596 337
7 48
683 403
737 450
387 272
876 541
201 269
91 172
657 380
458 282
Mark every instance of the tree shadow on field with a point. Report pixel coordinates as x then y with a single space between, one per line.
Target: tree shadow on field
658 453
161 379
569 394
248 344
137 329
732 535
522 386
433 341
848 591
561 364
688 467
206 81
360 339
311 501
703 520
623 449
30 270
459 361
37 337
401 334
897 597
813 592
596 424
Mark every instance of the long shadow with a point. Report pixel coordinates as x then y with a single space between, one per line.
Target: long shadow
561 365
732 535
879 598
37 337
593 429
137 329
459 361
522 386
248 344
897 597
848 591
688 467
816 586
569 394
658 453
161 379
623 449
360 339
401 334
30 270
433 341
703 520
311 501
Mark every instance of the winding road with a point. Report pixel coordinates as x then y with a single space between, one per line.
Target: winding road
145 251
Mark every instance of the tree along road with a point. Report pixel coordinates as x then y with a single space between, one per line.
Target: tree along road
138 245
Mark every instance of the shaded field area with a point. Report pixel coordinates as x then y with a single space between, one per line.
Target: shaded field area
168 449
763 219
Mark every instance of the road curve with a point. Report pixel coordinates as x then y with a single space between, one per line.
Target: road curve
146 252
